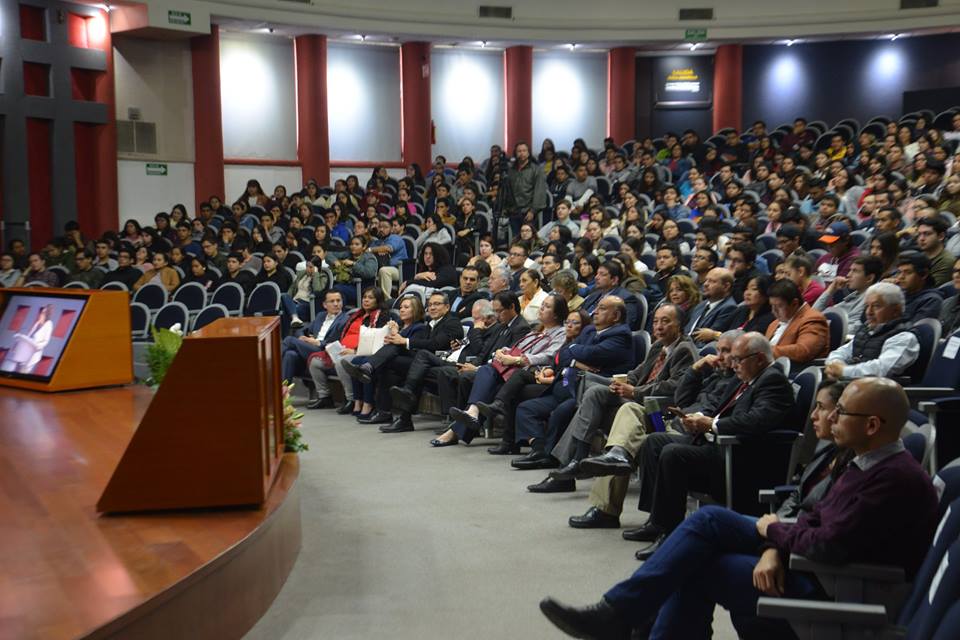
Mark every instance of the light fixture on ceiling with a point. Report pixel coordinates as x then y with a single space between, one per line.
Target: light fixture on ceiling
363 37
694 45
483 44
894 36
790 43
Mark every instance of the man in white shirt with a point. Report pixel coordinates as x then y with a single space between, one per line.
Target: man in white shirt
296 349
882 347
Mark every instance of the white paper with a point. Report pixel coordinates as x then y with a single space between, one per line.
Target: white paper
953 345
334 349
371 340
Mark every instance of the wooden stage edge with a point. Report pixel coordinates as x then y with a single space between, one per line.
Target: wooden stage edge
69 572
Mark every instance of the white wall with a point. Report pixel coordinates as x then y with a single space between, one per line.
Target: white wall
466 97
363 173
363 102
156 77
258 97
569 98
235 178
142 196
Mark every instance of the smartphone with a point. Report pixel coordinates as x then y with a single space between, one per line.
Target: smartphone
676 411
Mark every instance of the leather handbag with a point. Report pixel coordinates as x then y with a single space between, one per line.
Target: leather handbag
507 370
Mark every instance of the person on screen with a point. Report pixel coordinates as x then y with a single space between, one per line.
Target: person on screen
27 348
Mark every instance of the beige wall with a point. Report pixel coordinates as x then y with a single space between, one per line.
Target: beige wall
155 75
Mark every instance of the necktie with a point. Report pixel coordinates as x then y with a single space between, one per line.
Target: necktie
733 399
657 367
696 325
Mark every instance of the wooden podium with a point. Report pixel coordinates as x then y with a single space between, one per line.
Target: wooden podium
213 433
99 352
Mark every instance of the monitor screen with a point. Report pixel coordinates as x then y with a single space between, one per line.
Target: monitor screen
34 331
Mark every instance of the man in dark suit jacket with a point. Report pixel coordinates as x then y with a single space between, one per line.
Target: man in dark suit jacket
325 328
658 374
509 328
462 302
716 308
671 464
609 275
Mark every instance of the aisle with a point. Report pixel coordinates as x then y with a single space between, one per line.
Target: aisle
401 540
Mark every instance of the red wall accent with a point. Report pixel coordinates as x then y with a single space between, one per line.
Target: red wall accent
31 23
86 169
207 119
313 135
83 84
102 148
40 170
622 94
728 87
77 30
36 79
415 132
518 93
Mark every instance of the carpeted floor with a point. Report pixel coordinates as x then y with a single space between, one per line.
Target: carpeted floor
401 540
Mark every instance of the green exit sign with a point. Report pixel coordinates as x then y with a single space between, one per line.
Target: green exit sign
695 35
179 17
156 169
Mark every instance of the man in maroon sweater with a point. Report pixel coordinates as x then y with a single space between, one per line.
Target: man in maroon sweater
882 509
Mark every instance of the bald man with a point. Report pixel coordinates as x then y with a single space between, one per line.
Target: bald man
882 509
715 309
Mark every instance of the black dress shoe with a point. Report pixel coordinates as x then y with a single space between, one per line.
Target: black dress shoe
362 373
401 424
377 417
599 621
611 463
436 442
346 408
566 472
536 459
403 399
552 485
321 403
465 419
594 519
647 552
646 533
492 409
504 449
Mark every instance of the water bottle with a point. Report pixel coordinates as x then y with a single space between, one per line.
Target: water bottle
652 408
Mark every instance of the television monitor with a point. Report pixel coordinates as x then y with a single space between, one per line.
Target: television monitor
35 328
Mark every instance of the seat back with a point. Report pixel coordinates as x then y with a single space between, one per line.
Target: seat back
928 334
641 346
941 371
773 257
139 321
265 300
947 532
115 285
806 384
76 284
170 314
838 324
192 295
152 295
208 314
941 593
230 295
947 484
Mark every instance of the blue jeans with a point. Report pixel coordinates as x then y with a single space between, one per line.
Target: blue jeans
707 560
543 419
364 391
294 360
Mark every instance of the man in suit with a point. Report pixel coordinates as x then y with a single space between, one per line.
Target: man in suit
716 308
509 327
671 465
607 281
297 349
700 388
659 373
798 331
399 352
463 300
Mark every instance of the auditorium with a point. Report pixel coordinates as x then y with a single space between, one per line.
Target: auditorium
676 287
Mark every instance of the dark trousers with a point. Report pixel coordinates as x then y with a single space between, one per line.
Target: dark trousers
388 352
365 392
392 372
543 419
519 387
448 387
707 560
671 467
295 354
420 369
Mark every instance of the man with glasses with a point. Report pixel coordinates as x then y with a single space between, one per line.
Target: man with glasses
213 255
884 346
712 558
671 465
85 272
704 259
517 260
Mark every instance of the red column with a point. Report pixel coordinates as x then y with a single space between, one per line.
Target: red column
207 119
622 93
728 86
518 93
313 134
416 125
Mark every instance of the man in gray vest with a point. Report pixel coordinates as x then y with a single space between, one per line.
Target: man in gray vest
884 346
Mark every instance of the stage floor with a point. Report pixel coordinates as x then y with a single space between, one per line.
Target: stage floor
67 572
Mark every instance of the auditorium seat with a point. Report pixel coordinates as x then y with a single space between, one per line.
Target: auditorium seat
208 314
230 295
265 300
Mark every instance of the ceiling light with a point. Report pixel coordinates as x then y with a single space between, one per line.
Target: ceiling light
895 36
483 44
572 45
694 45
790 43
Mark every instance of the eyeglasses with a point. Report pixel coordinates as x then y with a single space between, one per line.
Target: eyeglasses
517 255
572 323
735 360
840 411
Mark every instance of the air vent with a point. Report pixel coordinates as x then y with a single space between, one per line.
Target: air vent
299 1
504 13
919 4
136 137
696 14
